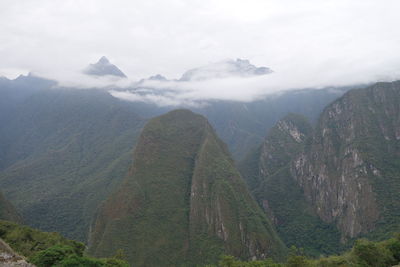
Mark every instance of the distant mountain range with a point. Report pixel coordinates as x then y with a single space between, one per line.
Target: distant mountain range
322 166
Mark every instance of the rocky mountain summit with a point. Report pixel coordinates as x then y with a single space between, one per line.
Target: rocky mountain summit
103 67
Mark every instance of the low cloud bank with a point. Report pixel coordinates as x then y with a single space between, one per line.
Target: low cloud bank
197 93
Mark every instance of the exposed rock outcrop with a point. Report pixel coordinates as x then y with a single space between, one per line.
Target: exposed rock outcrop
350 170
8 258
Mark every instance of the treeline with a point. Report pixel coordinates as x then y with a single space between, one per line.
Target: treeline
363 254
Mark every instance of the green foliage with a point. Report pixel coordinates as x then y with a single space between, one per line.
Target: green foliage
51 249
373 254
65 256
364 254
51 256
27 241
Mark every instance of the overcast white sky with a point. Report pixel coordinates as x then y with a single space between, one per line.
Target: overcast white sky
329 40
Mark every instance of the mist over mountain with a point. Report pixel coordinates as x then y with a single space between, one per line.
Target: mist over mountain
224 69
216 133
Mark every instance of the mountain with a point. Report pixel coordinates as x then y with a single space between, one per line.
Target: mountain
103 67
183 202
62 152
340 183
267 172
224 69
350 171
7 211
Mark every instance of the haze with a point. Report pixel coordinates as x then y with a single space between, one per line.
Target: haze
306 43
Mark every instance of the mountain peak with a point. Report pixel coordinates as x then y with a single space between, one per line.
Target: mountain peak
179 158
103 60
103 67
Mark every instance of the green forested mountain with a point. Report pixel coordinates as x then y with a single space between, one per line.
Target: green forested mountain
183 202
63 152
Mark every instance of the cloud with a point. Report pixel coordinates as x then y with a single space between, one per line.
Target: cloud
306 42
242 89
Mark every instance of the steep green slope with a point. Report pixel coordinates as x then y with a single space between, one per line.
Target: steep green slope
7 211
183 202
350 172
64 152
267 172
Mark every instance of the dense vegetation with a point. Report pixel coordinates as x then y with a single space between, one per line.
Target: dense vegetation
363 254
50 249
64 152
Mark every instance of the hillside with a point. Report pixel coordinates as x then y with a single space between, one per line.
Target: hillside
182 202
7 211
63 152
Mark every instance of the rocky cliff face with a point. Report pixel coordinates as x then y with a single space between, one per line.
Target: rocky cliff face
267 172
350 171
183 202
283 142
